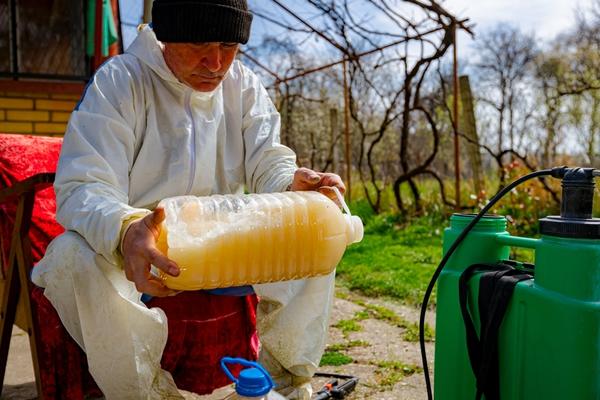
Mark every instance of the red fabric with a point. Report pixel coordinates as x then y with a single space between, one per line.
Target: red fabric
23 156
213 327
202 327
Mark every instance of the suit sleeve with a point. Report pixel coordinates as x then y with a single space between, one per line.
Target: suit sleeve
270 166
92 179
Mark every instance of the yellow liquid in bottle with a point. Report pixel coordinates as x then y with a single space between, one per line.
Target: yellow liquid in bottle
257 239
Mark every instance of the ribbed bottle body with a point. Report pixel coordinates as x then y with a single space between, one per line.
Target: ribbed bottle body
234 240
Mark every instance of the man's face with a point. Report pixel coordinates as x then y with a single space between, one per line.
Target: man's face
202 66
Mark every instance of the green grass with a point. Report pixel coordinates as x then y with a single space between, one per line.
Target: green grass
396 258
335 358
391 372
381 313
348 325
348 345
412 333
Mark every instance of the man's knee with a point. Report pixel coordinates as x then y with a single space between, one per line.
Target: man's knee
66 254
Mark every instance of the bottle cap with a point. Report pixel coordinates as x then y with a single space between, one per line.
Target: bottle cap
355 230
254 381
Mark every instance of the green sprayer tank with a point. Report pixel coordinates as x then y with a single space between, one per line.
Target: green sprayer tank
549 340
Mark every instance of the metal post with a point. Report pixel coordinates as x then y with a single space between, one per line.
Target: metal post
347 134
455 124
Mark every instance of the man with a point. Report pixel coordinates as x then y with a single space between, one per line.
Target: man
174 115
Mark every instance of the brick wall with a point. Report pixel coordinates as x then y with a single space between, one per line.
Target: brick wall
36 113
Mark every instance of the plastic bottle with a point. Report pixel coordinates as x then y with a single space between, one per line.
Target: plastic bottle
253 383
235 240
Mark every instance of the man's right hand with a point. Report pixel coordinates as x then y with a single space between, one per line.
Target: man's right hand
139 251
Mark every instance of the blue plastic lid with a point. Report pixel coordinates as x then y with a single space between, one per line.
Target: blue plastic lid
253 381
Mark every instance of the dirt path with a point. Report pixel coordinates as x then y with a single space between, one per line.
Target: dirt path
370 334
388 365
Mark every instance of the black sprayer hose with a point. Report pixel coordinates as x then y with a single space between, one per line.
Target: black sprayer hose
555 172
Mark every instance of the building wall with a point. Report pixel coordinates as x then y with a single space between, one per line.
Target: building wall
36 113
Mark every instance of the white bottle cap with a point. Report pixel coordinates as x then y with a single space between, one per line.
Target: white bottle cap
355 231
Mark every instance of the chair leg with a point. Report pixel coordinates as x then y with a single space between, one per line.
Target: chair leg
20 264
10 299
25 264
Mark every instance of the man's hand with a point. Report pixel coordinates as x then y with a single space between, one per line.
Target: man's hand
307 179
139 251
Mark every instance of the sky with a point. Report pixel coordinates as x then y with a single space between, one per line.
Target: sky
545 18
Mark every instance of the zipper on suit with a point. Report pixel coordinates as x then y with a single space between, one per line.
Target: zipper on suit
188 110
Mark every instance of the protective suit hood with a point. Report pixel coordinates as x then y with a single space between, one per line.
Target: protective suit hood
149 50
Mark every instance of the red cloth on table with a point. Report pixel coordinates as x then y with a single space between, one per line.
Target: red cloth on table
202 327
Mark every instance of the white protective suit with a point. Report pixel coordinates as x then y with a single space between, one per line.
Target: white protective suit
138 136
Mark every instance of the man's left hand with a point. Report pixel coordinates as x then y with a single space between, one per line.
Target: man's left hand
323 182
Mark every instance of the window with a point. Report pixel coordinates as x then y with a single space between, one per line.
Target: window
4 37
47 38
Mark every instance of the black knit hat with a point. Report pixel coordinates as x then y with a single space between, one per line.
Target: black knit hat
201 20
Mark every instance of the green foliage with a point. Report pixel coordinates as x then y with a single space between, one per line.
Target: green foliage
381 313
362 209
348 345
395 258
335 358
348 325
391 372
412 333
400 252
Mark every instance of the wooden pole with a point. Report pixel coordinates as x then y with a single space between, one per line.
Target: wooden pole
98 35
455 124
147 16
333 122
347 134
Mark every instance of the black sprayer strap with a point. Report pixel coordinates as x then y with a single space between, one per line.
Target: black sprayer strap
495 291
495 305
463 292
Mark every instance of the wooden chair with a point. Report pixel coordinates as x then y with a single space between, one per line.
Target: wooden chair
15 289
27 224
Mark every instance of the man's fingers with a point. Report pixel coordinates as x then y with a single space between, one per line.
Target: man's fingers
309 176
153 286
333 180
145 282
153 220
158 287
158 215
329 192
161 262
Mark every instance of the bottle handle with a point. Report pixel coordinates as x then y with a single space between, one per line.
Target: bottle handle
340 198
245 363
